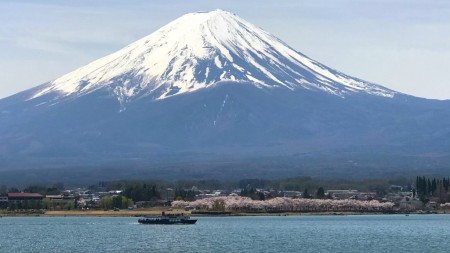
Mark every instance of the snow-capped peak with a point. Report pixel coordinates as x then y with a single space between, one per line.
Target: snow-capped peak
199 50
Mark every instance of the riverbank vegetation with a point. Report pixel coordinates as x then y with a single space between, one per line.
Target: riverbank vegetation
299 194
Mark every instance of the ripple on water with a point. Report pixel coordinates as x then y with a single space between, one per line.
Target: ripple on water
366 233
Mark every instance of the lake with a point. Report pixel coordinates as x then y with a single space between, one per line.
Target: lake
359 233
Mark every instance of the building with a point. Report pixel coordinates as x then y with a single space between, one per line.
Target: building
23 200
410 204
364 195
292 194
342 194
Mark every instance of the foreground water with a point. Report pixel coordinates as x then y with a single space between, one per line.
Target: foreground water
371 233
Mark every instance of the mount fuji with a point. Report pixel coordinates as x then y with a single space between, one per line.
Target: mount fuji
210 89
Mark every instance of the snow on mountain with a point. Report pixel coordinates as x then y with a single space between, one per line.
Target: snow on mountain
199 50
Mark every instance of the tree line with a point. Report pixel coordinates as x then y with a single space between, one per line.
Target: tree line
427 188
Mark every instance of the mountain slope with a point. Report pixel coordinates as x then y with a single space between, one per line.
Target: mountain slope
213 87
199 50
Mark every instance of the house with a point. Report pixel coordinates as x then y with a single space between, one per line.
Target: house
292 194
342 194
364 195
23 200
22 196
408 203
432 205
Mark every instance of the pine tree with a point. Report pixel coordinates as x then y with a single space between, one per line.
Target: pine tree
320 193
306 194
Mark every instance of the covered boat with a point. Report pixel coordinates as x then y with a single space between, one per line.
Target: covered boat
167 219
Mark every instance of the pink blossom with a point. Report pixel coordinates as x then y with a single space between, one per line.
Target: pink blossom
282 204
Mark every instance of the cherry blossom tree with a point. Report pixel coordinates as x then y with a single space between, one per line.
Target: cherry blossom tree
283 204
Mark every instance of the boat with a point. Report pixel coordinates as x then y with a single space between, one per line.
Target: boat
167 219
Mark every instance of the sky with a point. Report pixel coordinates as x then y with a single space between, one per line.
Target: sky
401 44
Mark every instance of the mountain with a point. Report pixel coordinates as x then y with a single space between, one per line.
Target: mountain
200 50
210 88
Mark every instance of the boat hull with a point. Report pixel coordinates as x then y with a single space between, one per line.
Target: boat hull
166 222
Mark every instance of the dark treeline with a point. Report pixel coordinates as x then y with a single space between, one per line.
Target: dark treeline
151 188
35 188
301 183
141 192
432 187
249 191
145 190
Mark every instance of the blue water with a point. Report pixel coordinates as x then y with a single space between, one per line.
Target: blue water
371 233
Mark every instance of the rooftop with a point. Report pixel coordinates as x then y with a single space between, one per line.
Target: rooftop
24 195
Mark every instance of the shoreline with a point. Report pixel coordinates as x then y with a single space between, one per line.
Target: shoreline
146 212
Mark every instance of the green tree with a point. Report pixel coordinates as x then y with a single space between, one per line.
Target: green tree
125 201
106 202
320 194
121 202
69 205
117 202
141 191
181 194
130 202
47 204
306 194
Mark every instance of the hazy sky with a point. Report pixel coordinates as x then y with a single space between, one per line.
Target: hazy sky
403 45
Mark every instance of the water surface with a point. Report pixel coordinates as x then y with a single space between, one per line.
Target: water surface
365 233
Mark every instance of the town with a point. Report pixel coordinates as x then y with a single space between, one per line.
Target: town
427 195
